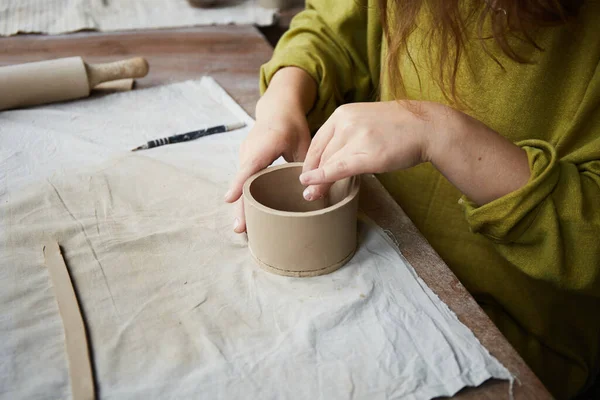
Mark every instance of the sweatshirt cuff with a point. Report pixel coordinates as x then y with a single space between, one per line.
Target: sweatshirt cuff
325 102
504 220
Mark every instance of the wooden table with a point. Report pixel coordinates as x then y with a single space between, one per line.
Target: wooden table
233 55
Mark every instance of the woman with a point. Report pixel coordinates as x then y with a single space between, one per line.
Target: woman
482 119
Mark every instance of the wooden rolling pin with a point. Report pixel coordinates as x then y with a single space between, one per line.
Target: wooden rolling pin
59 80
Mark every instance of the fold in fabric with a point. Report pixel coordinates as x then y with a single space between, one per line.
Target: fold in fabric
176 308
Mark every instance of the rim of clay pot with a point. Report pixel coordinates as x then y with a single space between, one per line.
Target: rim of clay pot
248 195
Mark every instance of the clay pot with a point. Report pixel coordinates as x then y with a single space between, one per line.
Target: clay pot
290 236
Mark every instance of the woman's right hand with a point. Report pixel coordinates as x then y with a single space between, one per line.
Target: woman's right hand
281 129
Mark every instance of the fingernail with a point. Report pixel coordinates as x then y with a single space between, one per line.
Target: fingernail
236 223
227 195
308 194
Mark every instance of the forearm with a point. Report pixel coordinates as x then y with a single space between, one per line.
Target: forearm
482 164
291 86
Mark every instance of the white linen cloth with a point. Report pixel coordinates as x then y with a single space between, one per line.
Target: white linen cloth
174 306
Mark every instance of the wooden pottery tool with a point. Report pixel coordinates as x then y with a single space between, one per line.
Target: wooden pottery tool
61 79
288 235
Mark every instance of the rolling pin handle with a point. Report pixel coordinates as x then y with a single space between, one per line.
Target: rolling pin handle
132 68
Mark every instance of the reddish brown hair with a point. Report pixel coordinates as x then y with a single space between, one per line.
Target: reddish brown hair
449 19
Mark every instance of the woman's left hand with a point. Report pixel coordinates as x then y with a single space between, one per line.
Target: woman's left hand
387 136
368 138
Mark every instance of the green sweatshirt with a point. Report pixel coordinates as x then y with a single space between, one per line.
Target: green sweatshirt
531 258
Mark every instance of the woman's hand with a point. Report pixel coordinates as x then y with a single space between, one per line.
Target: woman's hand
387 136
367 138
281 129
278 133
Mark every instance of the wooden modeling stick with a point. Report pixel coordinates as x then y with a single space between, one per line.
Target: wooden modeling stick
62 79
80 366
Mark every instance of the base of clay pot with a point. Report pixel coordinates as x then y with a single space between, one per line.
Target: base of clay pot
303 274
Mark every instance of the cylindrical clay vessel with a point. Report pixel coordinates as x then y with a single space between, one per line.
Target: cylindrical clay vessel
288 235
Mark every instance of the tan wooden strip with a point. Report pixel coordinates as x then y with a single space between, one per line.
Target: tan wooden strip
80 367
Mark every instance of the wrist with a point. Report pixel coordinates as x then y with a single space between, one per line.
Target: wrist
448 126
283 116
275 103
292 87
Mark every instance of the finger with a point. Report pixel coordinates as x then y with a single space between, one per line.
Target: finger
315 192
341 165
246 170
239 224
336 143
318 144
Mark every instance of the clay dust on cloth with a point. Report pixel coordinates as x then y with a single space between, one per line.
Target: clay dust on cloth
174 305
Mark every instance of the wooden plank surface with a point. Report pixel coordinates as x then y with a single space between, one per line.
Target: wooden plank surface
233 55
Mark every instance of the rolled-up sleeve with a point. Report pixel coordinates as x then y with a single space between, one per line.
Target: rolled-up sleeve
549 228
